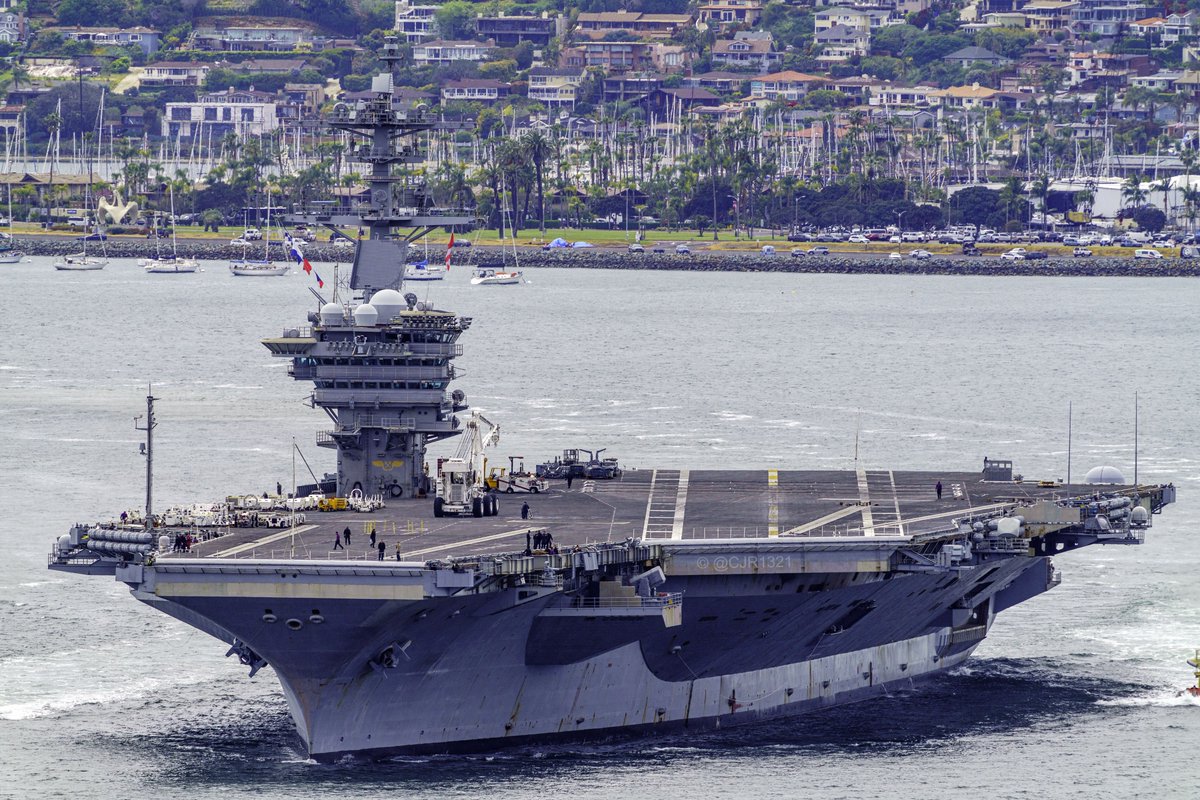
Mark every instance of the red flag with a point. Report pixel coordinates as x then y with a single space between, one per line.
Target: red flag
449 251
307 266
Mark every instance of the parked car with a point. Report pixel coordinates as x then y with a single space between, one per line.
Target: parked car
858 238
1081 252
796 236
683 249
1189 251
912 236
895 256
1016 254
636 248
819 251
1164 243
920 255
894 239
252 235
1146 252
1071 240
462 242
343 243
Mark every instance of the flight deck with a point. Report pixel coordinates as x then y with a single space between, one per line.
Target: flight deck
651 504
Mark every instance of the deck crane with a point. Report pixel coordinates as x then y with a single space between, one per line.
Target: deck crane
461 485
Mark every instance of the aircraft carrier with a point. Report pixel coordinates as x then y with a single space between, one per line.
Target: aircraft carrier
654 601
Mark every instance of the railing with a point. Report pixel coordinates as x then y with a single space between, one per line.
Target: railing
762 532
658 601
329 438
974 633
379 373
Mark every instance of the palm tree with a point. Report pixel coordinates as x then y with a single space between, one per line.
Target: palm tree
1166 188
1191 201
53 124
1041 190
1133 192
1011 196
536 148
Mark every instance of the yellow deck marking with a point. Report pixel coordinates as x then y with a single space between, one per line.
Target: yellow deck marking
773 502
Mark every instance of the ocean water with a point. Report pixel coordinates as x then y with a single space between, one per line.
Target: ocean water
1074 694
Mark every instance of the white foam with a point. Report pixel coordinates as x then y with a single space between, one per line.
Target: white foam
1162 698
58 704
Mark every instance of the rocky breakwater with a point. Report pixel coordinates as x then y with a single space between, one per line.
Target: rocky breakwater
203 249
840 263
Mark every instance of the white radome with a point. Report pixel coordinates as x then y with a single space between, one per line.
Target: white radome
389 303
1105 474
332 313
366 315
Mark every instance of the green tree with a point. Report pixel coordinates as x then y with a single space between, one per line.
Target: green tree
1132 191
455 20
64 100
537 148
1149 219
90 12
973 206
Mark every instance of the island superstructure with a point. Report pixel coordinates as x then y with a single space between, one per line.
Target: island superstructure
657 600
383 385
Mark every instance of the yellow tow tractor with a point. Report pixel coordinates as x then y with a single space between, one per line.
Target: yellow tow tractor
512 479
331 504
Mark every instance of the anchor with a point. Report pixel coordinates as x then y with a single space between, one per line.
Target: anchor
246 656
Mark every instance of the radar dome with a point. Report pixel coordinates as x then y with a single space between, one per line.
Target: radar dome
332 314
388 303
1105 474
365 315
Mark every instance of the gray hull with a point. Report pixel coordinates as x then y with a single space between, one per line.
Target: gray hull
481 671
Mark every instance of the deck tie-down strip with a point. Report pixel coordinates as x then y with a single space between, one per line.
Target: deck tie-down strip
680 505
864 497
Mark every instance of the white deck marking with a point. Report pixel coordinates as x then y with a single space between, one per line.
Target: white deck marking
821 521
664 512
680 505
772 502
864 497
274 537
408 554
895 498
